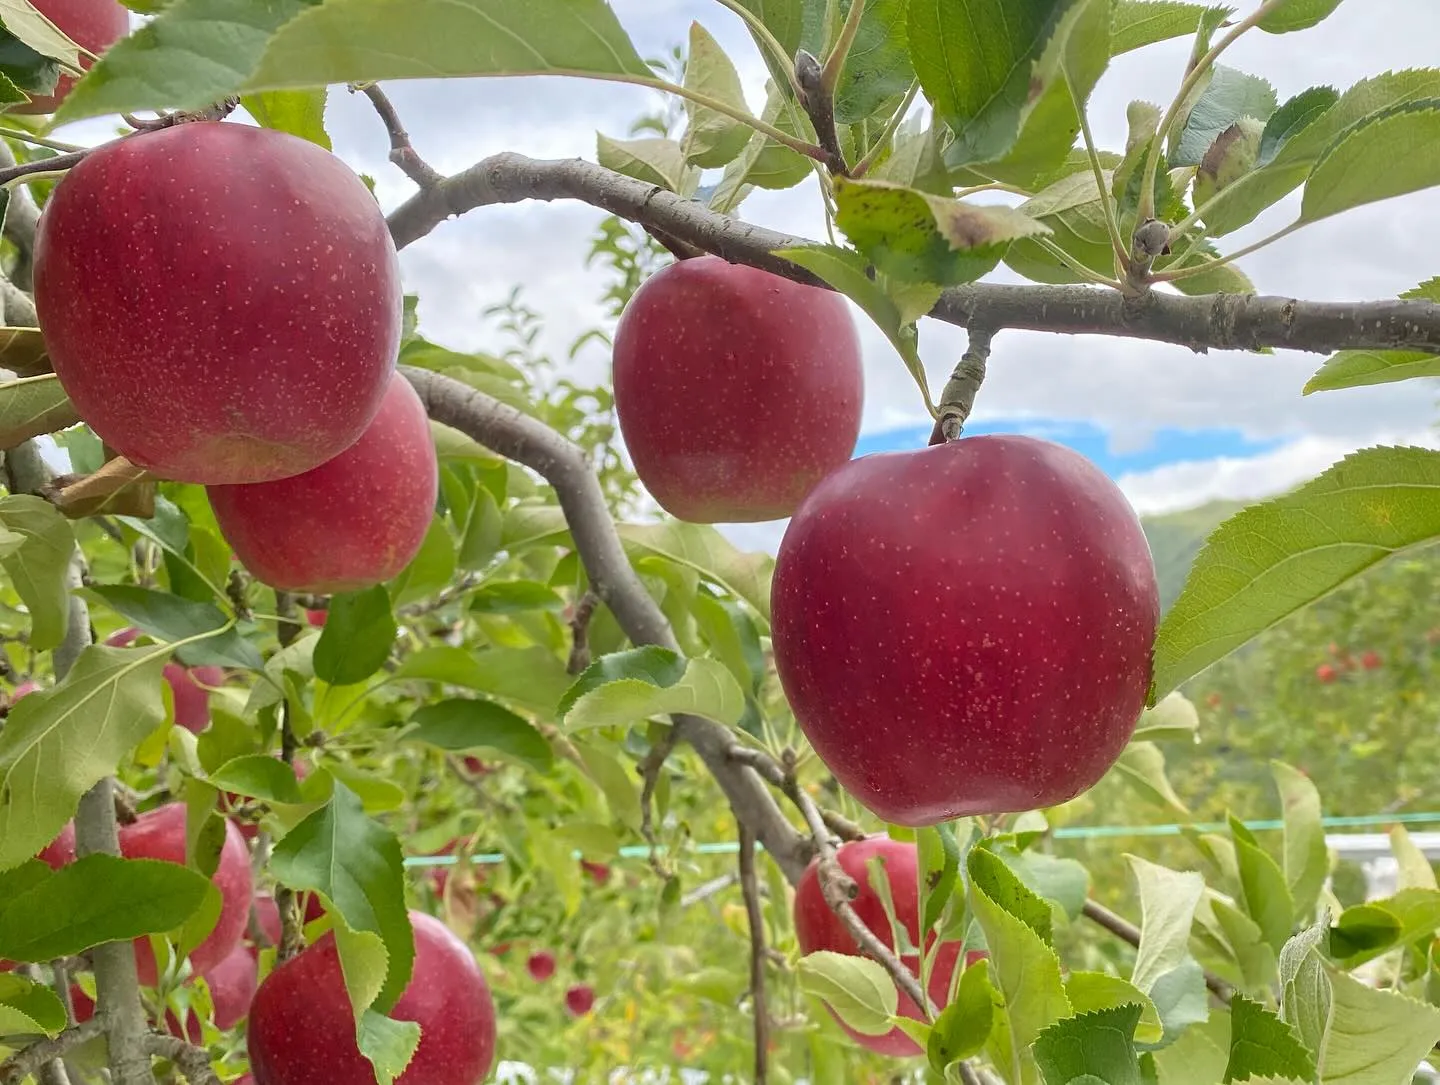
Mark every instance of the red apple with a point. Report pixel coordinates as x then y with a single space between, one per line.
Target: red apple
736 390
599 872
23 690
349 523
541 965
232 985
580 1000
1214 700
1371 661
818 927
302 1028
94 25
192 697
263 338
1325 673
316 617
966 628
267 916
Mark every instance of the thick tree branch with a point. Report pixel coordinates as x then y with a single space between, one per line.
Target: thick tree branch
192 1061
528 441
1211 322
1127 932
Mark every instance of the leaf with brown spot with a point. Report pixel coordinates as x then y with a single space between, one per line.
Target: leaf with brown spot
119 488
1230 157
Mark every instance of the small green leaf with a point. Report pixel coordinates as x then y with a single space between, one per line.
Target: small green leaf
1306 994
357 638
1292 118
1230 157
938 868
299 112
97 899
1357 368
514 597
1265 894
28 1010
712 139
23 352
430 570
1365 931
32 406
465 723
702 548
877 68
963 1027
1098 1044
1415 869
765 163
1173 718
534 678
1137 23
1375 1037
387 1043
1091 991
858 989
1387 154
707 688
730 632
999 883
169 618
651 664
1261 1044
59 742
1168 899
1181 999
1307 863
37 568
1296 15
356 864
1271 559
650 159
1229 95
1143 767
259 776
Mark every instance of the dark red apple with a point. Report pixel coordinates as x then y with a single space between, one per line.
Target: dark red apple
316 617
349 523
232 985
818 927
966 628
541 965
599 872
219 348
267 916
736 390
1371 661
580 1000
95 25
302 1028
1326 673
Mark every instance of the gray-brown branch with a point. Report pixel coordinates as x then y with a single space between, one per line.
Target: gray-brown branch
29 1060
1209 322
530 442
750 889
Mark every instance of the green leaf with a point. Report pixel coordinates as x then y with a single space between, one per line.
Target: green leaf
1265 894
1098 1043
858 989
1273 558
1137 23
299 112
97 899
1375 1037
1365 931
654 161
702 548
191 55
706 688
1261 1044
464 723
387 1043
976 62
23 352
28 1010
765 163
1181 999
259 776
1064 882
531 677
38 567
1307 863
963 1027
1024 968
1230 157
32 406
787 22
1306 996
430 570
846 272
877 68
1173 718
1243 937
1092 991
652 664
1415 869
1357 368
356 864
357 637
1292 118
1143 767
938 857
712 139
1168 899
428 39
60 742
27 24
1229 95
1386 154
918 237
169 618
732 636
1297 15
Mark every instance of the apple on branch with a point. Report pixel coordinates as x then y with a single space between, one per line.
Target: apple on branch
94 25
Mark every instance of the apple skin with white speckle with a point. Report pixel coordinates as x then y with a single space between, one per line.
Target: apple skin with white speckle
222 303
967 628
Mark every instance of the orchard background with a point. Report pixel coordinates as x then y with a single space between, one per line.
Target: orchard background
559 724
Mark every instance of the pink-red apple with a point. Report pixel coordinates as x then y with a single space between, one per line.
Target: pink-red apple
160 834
350 523
302 1027
736 390
316 617
95 25
580 1000
24 689
1371 661
818 927
599 872
1326 673
966 628
541 965
219 348
188 685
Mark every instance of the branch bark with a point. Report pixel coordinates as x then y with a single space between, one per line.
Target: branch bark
37 1055
750 888
1209 322
528 441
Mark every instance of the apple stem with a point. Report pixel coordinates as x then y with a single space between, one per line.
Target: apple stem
750 888
216 112
957 399
819 103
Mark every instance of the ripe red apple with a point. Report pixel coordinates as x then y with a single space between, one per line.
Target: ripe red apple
187 684
580 1000
736 390
967 628
302 1028
93 24
1326 673
599 872
267 916
23 690
219 348
349 523
232 985
160 834
1371 661
541 965
818 927
316 617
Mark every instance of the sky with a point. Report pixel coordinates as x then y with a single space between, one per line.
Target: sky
1174 428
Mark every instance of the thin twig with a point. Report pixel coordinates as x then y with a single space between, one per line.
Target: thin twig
650 769
45 165
750 887
1127 932
819 103
402 151
28 1060
580 632
193 1062
957 398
